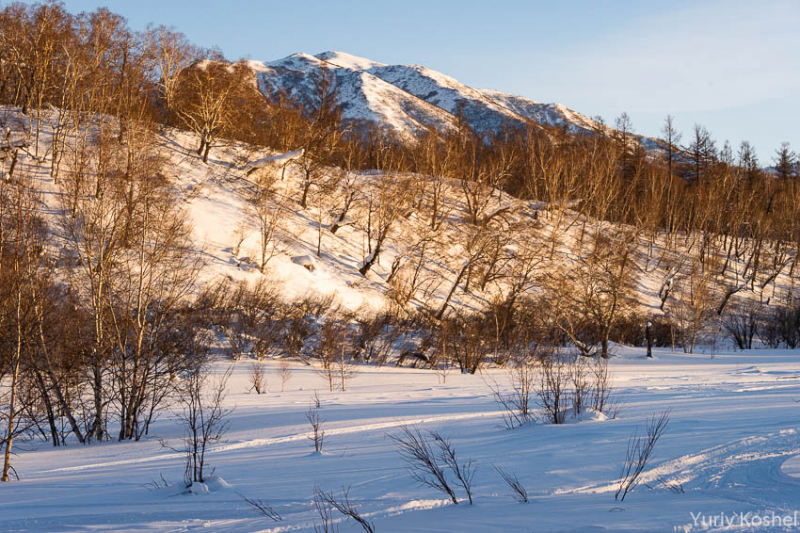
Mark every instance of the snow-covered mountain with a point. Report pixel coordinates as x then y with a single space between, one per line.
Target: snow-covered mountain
363 96
408 98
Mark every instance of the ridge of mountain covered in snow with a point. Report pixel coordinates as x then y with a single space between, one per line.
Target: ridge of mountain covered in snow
407 99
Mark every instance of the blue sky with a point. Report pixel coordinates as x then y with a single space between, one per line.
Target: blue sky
730 65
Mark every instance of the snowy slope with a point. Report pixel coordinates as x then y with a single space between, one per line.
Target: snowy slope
480 112
215 198
545 114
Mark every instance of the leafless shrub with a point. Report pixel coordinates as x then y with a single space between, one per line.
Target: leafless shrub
516 405
441 361
266 337
553 391
248 318
601 389
296 332
334 356
466 342
258 379
422 461
672 485
204 418
317 433
640 450
237 337
579 379
285 372
464 472
317 306
518 490
317 400
157 484
375 338
782 326
742 322
343 504
263 508
325 512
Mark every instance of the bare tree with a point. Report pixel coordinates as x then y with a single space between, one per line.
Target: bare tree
321 135
25 234
442 360
477 244
320 196
589 301
671 138
579 379
268 212
327 352
692 307
210 98
334 354
385 207
350 190
174 54
742 323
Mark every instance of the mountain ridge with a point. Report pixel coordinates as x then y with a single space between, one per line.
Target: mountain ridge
408 99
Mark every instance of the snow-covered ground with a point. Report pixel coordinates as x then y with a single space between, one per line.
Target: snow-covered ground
733 426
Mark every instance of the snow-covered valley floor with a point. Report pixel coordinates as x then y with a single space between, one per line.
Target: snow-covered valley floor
731 439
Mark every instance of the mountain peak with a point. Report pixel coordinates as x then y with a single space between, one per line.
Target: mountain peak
348 61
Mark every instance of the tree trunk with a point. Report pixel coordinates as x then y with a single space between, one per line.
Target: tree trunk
48 404
12 402
97 425
304 198
440 313
372 259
